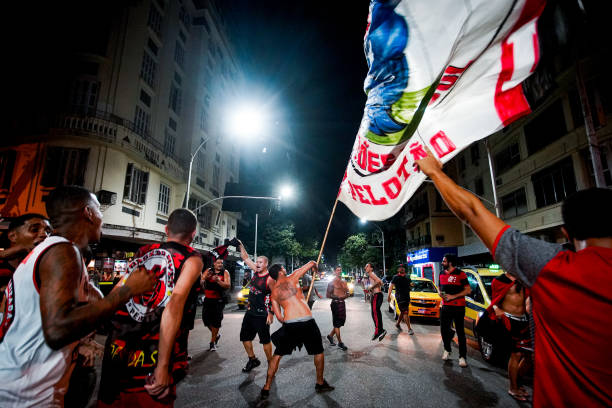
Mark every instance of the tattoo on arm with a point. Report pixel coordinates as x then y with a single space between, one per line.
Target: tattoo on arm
63 319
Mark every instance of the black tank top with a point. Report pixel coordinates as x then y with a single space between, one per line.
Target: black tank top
259 295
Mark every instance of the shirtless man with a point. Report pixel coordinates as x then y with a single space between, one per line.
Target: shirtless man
299 327
376 302
510 304
337 291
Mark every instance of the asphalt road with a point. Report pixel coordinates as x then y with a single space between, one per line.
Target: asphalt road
400 371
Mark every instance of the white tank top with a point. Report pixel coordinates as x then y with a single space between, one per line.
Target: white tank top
31 373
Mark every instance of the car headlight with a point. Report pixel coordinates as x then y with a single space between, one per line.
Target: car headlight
240 296
351 286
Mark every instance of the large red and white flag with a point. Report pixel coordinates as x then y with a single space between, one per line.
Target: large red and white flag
442 74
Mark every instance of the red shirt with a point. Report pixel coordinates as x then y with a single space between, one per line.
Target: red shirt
572 310
451 283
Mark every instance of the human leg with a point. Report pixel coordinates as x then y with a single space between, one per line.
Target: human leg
445 328
319 362
458 316
272 369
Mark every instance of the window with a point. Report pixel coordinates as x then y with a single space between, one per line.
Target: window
545 128
178 79
217 158
163 203
479 186
554 183
155 20
184 17
179 55
507 158
145 98
200 160
136 183
217 242
205 217
169 142
216 177
148 69
203 119
475 152
514 204
175 99
7 164
172 124
152 47
64 167
141 121
476 292
84 96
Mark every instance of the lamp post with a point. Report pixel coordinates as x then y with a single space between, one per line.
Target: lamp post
286 192
191 166
363 221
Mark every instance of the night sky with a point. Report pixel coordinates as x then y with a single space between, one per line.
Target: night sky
306 59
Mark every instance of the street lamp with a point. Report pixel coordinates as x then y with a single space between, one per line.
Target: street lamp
363 221
286 192
247 121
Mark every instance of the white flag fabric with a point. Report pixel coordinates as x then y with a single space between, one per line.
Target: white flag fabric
442 74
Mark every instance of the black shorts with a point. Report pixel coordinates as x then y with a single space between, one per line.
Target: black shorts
338 308
295 335
255 325
404 306
212 312
519 333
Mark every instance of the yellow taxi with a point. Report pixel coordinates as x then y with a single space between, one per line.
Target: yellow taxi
476 303
243 297
424 299
350 283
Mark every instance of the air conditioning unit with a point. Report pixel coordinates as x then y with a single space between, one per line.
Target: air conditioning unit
106 197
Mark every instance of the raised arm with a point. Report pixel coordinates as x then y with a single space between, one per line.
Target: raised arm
466 206
64 319
298 273
245 257
171 322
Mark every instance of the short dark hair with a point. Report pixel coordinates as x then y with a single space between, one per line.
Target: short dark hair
21 220
63 202
586 214
274 270
452 259
182 222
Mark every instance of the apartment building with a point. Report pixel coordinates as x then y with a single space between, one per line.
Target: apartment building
139 99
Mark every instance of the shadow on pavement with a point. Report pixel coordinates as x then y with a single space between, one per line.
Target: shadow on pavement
470 390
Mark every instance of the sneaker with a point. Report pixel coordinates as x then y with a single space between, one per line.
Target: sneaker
375 336
382 335
342 346
462 362
252 363
331 340
217 339
324 387
264 394
212 347
446 355
410 332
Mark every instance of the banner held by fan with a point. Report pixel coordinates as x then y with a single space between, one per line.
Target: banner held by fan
442 74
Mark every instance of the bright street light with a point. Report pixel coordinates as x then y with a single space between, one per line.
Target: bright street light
362 221
246 120
286 192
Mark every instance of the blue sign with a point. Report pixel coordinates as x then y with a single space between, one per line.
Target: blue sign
425 255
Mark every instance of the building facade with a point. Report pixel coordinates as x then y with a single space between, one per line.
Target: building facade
139 99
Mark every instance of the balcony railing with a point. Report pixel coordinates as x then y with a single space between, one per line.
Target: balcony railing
110 128
425 240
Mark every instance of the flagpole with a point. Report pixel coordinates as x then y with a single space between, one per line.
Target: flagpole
331 217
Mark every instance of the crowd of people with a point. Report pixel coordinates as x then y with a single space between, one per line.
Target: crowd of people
51 308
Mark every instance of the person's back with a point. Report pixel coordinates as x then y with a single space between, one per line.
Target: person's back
572 308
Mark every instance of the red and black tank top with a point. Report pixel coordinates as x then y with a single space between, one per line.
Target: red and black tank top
259 295
213 290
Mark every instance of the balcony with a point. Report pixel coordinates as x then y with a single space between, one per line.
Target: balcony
425 240
109 128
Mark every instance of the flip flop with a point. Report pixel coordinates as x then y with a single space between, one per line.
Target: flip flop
517 396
